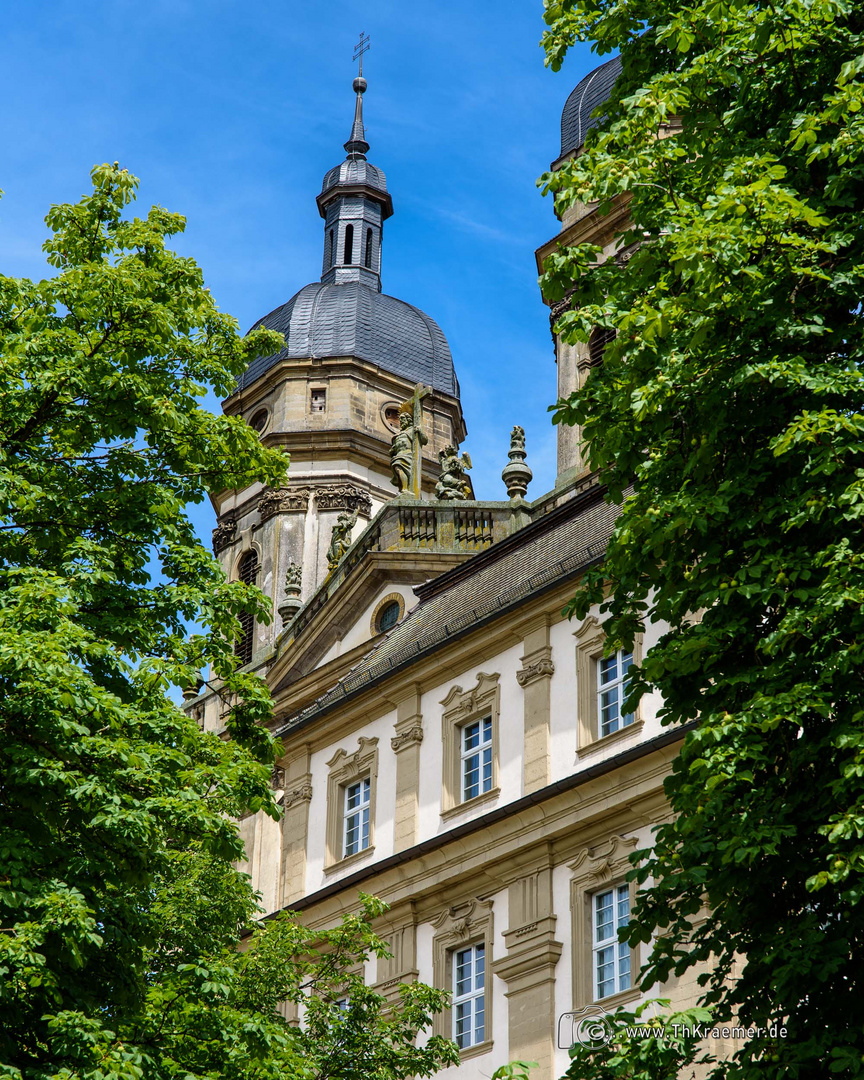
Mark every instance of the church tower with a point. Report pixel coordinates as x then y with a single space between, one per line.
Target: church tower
331 397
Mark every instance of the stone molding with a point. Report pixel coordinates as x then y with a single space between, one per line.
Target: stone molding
411 736
224 534
461 707
401 966
280 500
462 924
343 497
595 869
296 795
344 769
538 670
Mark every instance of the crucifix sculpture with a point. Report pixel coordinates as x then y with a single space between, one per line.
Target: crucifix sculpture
407 446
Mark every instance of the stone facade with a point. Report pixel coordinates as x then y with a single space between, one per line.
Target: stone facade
444 733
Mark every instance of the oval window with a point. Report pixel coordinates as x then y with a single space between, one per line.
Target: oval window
388 616
259 421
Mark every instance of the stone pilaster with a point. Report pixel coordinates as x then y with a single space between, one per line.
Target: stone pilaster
534 678
297 778
401 966
529 971
406 746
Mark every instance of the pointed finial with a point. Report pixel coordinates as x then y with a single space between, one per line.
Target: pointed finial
357 146
517 475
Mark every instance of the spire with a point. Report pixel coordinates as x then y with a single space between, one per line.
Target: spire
357 146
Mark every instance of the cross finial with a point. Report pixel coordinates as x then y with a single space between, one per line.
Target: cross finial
361 47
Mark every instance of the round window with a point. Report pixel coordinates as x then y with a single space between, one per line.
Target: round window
259 421
391 416
388 616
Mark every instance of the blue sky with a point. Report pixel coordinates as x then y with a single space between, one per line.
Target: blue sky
230 113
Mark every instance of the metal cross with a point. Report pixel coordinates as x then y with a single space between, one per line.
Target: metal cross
361 47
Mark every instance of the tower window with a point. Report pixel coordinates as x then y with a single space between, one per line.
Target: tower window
601 336
259 421
367 257
247 572
318 401
332 257
349 244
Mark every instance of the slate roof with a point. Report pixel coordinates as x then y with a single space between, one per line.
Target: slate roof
351 319
355 171
503 577
589 94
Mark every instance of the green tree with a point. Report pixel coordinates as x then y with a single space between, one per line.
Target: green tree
726 421
120 909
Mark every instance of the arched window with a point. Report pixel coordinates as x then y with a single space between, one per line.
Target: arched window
367 258
247 572
601 336
332 258
349 244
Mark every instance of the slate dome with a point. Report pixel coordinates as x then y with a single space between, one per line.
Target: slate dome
350 319
588 95
355 171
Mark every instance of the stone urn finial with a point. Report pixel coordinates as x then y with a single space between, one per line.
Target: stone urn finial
292 602
517 475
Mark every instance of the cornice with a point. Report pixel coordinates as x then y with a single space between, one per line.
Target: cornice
593 228
540 819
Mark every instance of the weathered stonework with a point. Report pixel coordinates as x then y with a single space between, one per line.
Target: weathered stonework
224 534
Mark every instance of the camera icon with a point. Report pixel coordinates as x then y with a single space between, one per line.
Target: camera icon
590 1027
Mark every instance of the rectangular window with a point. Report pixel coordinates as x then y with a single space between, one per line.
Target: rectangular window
611 961
476 758
318 401
355 836
612 680
469 996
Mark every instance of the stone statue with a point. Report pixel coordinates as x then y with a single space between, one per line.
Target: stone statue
402 453
293 584
340 538
517 475
407 445
453 483
293 577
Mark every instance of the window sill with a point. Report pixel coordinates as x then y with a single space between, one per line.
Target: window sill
608 740
469 804
476 1050
349 860
615 1001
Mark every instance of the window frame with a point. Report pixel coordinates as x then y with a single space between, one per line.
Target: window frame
590 643
345 770
460 709
481 752
596 871
621 681
360 812
464 925
619 951
313 401
471 997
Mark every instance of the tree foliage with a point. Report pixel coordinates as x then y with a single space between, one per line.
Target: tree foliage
731 401
120 907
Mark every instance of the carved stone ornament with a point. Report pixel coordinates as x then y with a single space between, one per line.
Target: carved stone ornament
296 795
517 475
538 670
340 538
343 497
601 864
453 483
293 584
279 500
224 534
348 765
459 923
277 779
407 738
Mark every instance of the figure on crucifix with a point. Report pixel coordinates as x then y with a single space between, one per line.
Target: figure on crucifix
407 445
